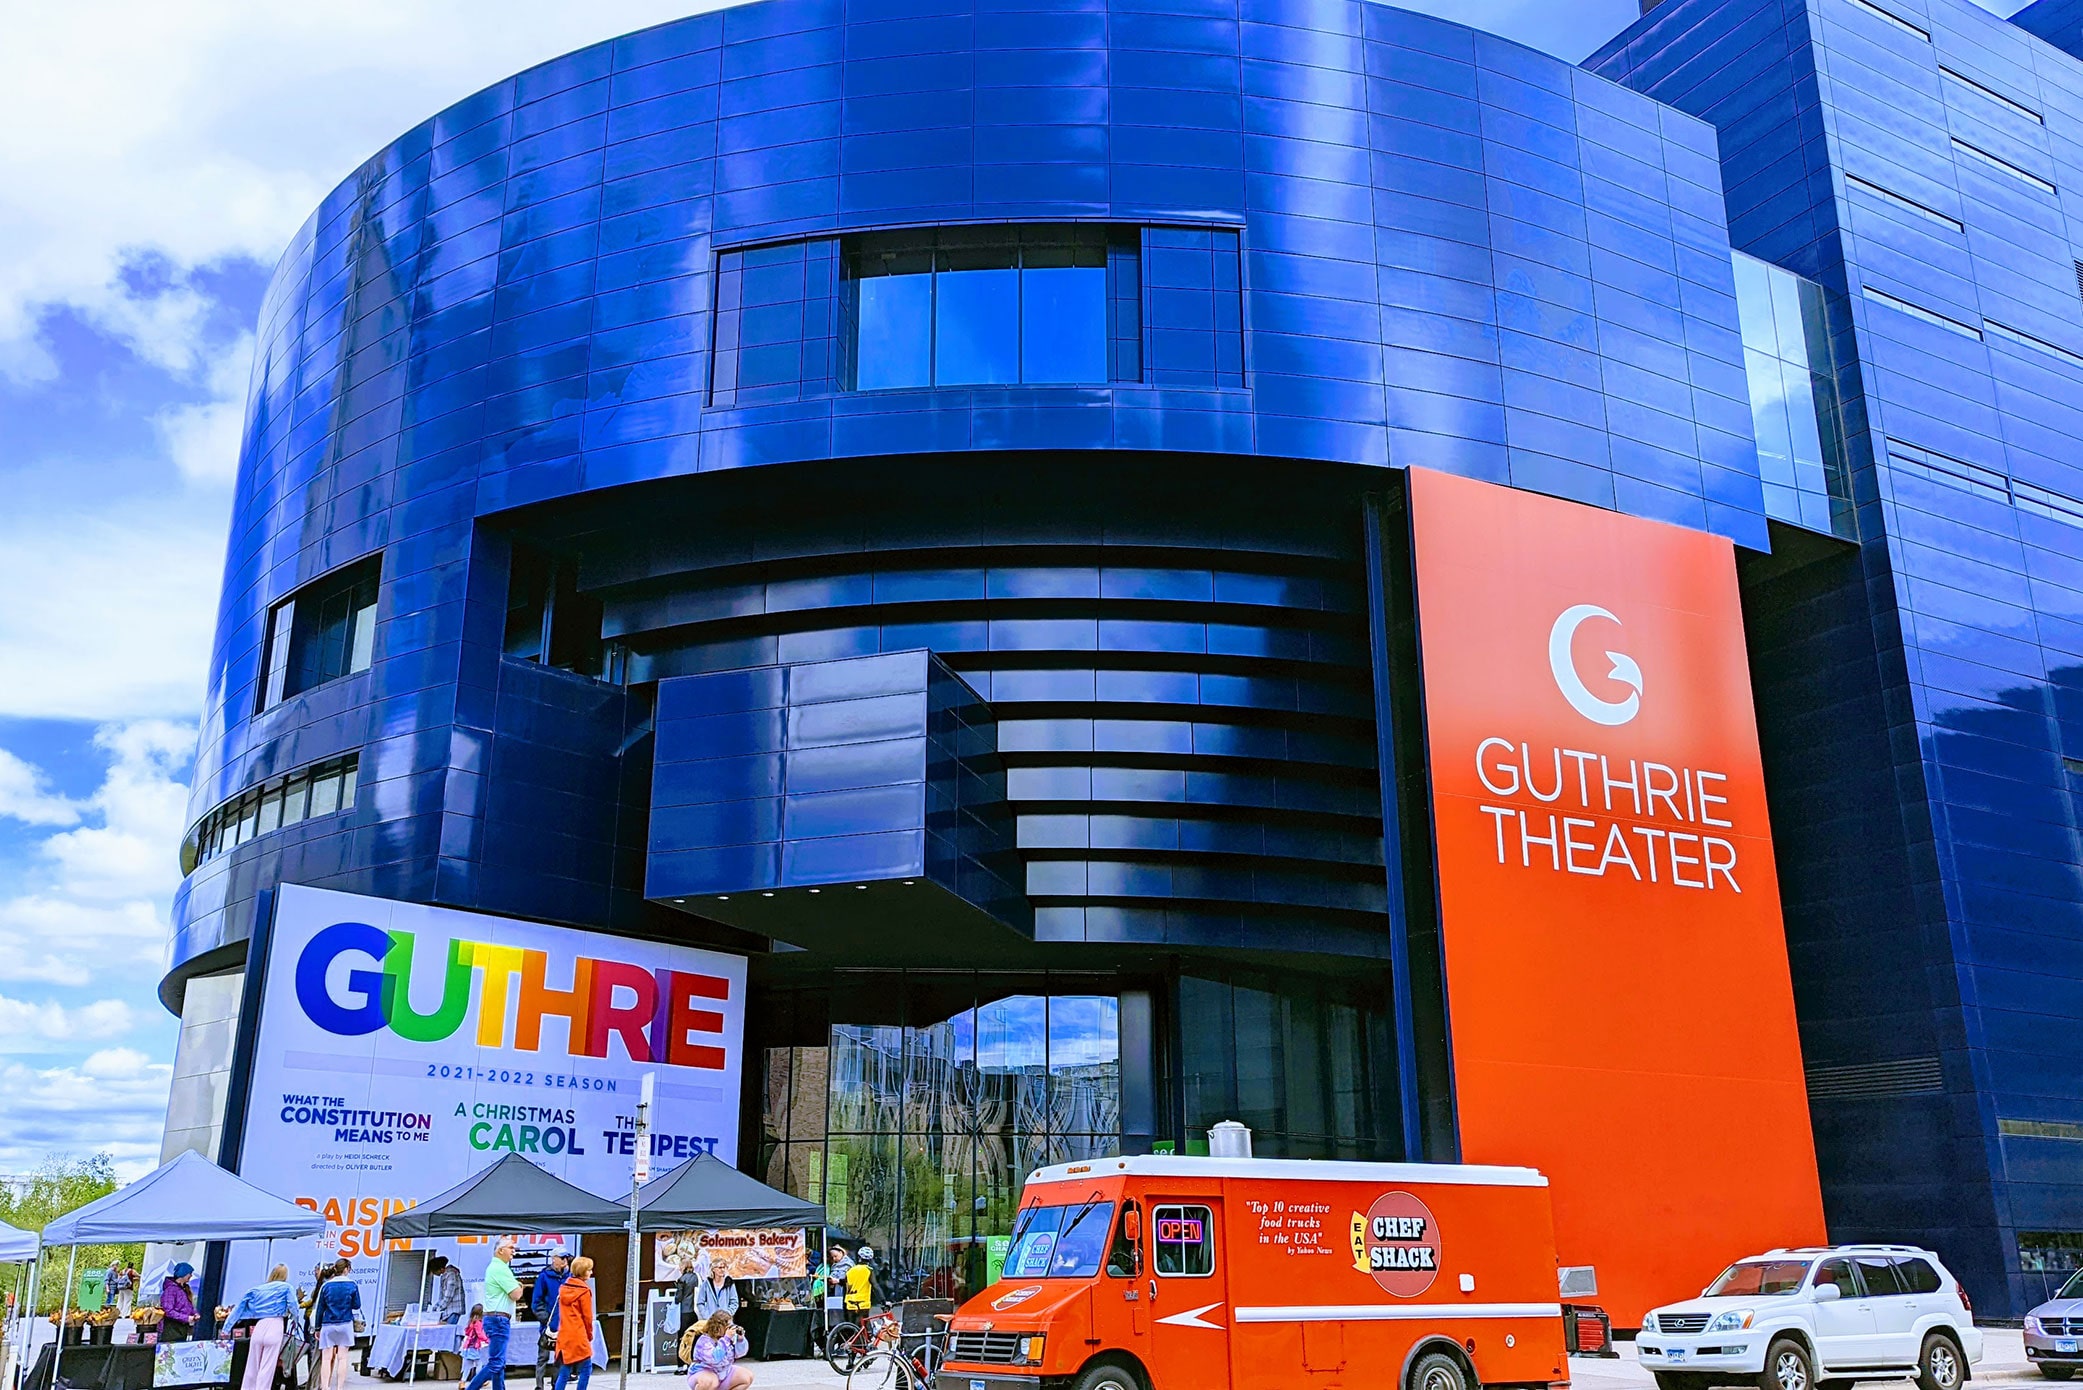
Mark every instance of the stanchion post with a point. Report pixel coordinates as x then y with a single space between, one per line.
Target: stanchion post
639 1172
64 1298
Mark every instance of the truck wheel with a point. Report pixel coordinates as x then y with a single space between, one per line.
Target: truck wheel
1788 1367
1107 1376
1939 1367
1436 1370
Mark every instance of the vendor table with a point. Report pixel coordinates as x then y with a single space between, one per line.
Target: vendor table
775 1333
113 1367
392 1342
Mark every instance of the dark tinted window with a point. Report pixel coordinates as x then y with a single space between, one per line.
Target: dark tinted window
323 631
1917 1276
1879 1274
1121 1257
1838 1272
545 608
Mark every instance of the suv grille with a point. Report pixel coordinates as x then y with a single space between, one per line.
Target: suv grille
988 1348
1681 1322
2063 1327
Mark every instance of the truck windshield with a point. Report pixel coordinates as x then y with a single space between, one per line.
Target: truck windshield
1066 1242
1758 1277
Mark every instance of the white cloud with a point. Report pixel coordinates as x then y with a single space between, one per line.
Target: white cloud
143 801
182 135
113 1101
24 797
203 439
56 940
109 616
36 1025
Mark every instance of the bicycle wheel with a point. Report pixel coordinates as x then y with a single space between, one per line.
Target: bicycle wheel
882 1370
842 1347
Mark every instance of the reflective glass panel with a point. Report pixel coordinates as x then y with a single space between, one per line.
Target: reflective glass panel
976 317
894 342
1063 325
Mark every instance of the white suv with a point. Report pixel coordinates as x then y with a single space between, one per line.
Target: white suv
1816 1319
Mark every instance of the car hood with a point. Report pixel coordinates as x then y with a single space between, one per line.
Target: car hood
2058 1308
1757 1303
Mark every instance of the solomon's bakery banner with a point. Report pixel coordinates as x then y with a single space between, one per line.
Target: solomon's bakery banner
402 1048
765 1253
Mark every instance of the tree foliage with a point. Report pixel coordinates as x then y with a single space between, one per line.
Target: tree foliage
59 1186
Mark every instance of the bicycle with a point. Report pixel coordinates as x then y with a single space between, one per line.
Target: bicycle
894 1368
848 1343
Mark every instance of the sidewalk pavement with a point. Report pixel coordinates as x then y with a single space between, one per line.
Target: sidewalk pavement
2003 1363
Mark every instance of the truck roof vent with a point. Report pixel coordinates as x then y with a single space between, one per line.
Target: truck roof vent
1229 1140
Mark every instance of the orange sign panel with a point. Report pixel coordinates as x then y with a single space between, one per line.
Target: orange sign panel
1620 1010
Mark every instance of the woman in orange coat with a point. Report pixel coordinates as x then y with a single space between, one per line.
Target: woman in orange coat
575 1325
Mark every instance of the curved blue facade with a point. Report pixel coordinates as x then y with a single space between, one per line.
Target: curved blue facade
1452 251
574 576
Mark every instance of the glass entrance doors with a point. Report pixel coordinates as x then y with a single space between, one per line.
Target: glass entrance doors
914 1104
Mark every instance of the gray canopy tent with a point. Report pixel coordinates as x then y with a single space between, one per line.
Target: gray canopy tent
20 1247
185 1199
707 1194
511 1197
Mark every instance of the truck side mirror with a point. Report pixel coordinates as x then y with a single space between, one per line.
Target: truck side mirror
1132 1224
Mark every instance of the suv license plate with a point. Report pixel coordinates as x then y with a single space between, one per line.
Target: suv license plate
2065 1345
1674 1354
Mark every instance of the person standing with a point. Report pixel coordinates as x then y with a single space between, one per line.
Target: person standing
500 1290
575 1325
447 1289
473 1344
269 1306
122 1287
336 1308
177 1304
860 1284
687 1293
717 1293
542 1303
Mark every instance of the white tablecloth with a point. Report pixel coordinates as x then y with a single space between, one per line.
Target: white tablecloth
391 1341
520 1346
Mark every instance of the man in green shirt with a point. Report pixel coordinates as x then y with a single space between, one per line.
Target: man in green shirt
501 1288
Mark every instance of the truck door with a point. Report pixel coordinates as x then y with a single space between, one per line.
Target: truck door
1128 1272
1188 1289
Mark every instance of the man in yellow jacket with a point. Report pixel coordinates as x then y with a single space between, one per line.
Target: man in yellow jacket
860 1283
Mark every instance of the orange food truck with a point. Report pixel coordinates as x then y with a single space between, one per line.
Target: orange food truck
1166 1273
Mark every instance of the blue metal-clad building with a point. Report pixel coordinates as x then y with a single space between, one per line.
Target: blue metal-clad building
940 450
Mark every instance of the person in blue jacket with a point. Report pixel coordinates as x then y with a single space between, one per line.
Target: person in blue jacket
542 1302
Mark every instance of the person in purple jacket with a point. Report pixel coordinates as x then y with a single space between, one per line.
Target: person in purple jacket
177 1305
716 1353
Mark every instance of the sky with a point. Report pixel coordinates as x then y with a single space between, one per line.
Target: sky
159 158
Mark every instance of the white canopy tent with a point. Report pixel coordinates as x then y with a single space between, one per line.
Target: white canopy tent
16 1246
20 1247
185 1199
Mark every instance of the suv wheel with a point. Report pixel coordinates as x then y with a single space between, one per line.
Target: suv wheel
1939 1367
1788 1367
2056 1372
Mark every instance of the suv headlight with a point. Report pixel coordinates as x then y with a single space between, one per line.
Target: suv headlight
1649 1323
2032 1325
1734 1320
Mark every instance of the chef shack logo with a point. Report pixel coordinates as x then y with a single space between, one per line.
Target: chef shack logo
1397 1242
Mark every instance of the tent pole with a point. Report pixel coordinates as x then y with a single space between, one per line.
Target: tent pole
64 1296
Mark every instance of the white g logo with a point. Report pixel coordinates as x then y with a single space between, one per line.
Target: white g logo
1607 712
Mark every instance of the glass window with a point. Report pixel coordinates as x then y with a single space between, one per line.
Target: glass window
1183 1241
1063 1242
294 796
1838 1272
271 810
1879 1274
994 305
1918 1276
324 631
325 794
1121 1256
347 781
1758 1277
